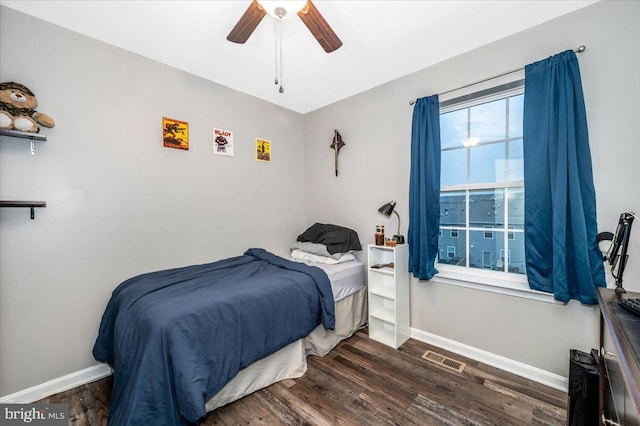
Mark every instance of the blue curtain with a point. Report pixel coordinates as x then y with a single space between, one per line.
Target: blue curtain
424 188
562 255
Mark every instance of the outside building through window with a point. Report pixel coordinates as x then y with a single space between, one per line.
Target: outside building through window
482 186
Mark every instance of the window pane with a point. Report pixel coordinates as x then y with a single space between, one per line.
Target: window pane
516 160
487 163
516 208
452 205
484 253
453 169
452 251
515 116
489 231
453 128
482 148
488 121
516 263
486 208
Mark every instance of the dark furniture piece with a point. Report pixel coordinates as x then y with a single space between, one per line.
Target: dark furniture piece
619 360
584 376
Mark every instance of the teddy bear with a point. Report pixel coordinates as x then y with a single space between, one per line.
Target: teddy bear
18 109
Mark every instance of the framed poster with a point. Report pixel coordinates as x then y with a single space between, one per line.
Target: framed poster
175 133
263 150
223 142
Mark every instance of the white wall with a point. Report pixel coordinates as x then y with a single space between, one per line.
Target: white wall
118 202
374 168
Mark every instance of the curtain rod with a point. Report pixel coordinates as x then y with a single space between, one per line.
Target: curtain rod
580 49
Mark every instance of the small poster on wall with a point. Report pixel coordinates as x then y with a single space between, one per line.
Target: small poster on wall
263 150
223 142
176 133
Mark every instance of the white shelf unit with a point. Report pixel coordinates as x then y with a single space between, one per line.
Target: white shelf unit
389 294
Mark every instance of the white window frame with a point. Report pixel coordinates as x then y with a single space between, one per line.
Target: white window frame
506 283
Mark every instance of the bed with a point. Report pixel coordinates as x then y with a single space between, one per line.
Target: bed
188 340
290 362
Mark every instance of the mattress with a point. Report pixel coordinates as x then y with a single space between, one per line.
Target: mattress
346 278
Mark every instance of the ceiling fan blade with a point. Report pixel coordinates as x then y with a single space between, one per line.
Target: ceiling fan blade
247 23
320 29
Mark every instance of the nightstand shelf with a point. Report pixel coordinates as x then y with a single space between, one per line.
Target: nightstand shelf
388 294
383 292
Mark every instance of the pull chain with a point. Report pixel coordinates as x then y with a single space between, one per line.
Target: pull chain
278 56
275 54
281 89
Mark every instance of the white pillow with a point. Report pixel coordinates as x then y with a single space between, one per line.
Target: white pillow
319 249
303 255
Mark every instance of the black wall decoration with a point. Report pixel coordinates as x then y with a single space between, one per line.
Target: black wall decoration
336 145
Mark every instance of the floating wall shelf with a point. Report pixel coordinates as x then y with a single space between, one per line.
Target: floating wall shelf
30 204
33 137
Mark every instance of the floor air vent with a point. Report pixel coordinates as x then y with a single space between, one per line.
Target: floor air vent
444 361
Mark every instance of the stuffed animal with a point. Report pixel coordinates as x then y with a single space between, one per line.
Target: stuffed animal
18 109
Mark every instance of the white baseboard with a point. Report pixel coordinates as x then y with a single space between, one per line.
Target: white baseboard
524 370
61 384
100 371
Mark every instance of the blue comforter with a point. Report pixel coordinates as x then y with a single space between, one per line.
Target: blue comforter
176 337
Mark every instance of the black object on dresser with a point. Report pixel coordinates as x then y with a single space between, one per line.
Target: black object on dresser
619 360
582 406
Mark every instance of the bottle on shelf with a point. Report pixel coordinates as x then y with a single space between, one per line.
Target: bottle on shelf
379 235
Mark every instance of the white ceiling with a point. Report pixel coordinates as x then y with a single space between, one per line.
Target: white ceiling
382 40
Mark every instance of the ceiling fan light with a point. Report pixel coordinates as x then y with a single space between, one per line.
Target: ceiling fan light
275 8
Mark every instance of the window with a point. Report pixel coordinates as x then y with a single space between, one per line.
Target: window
451 252
482 181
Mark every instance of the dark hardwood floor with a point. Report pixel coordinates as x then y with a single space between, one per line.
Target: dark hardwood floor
362 382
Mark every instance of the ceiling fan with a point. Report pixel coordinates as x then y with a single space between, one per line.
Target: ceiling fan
311 17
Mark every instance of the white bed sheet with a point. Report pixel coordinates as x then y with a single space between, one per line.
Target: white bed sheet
346 278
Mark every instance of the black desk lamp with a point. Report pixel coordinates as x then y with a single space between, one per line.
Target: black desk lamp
386 211
616 255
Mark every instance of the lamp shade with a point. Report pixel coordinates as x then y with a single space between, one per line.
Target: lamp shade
387 209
